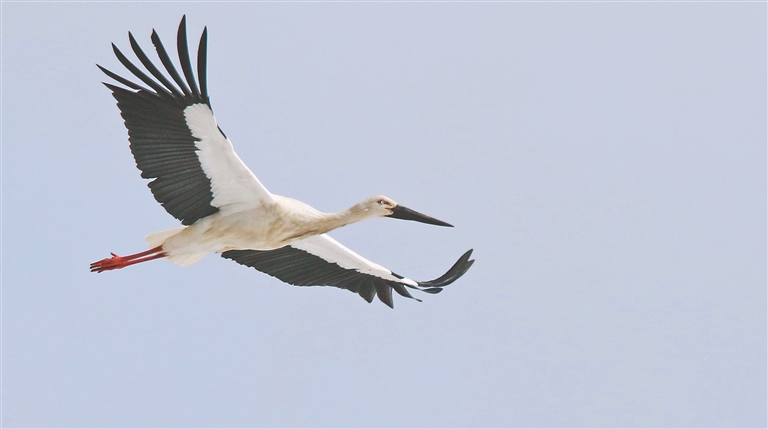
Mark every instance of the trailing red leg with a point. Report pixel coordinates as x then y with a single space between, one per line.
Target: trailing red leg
117 262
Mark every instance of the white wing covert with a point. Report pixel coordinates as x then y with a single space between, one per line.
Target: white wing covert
234 186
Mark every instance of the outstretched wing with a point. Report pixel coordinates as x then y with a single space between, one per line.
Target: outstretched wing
175 139
323 261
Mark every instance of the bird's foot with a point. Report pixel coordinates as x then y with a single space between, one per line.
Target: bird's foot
116 262
113 263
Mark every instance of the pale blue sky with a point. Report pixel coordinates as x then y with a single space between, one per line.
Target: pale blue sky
606 161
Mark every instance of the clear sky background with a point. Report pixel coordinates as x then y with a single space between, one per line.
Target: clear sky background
606 161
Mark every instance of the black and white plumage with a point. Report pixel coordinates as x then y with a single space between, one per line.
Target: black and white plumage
199 179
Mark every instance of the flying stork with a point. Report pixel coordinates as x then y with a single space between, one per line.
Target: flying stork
199 179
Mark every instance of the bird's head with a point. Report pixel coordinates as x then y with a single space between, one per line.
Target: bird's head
386 207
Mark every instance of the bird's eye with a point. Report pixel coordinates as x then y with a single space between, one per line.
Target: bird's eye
382 202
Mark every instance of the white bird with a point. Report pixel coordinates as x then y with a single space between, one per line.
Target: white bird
200 180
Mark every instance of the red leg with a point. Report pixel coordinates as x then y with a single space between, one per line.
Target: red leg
117 262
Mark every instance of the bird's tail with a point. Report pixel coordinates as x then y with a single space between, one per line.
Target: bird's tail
158 238
184 259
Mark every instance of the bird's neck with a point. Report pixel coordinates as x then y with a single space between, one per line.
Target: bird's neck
351 215
314 222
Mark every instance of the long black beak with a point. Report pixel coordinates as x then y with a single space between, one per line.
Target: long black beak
400 212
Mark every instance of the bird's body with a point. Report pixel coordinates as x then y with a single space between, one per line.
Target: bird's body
200 180
269 226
